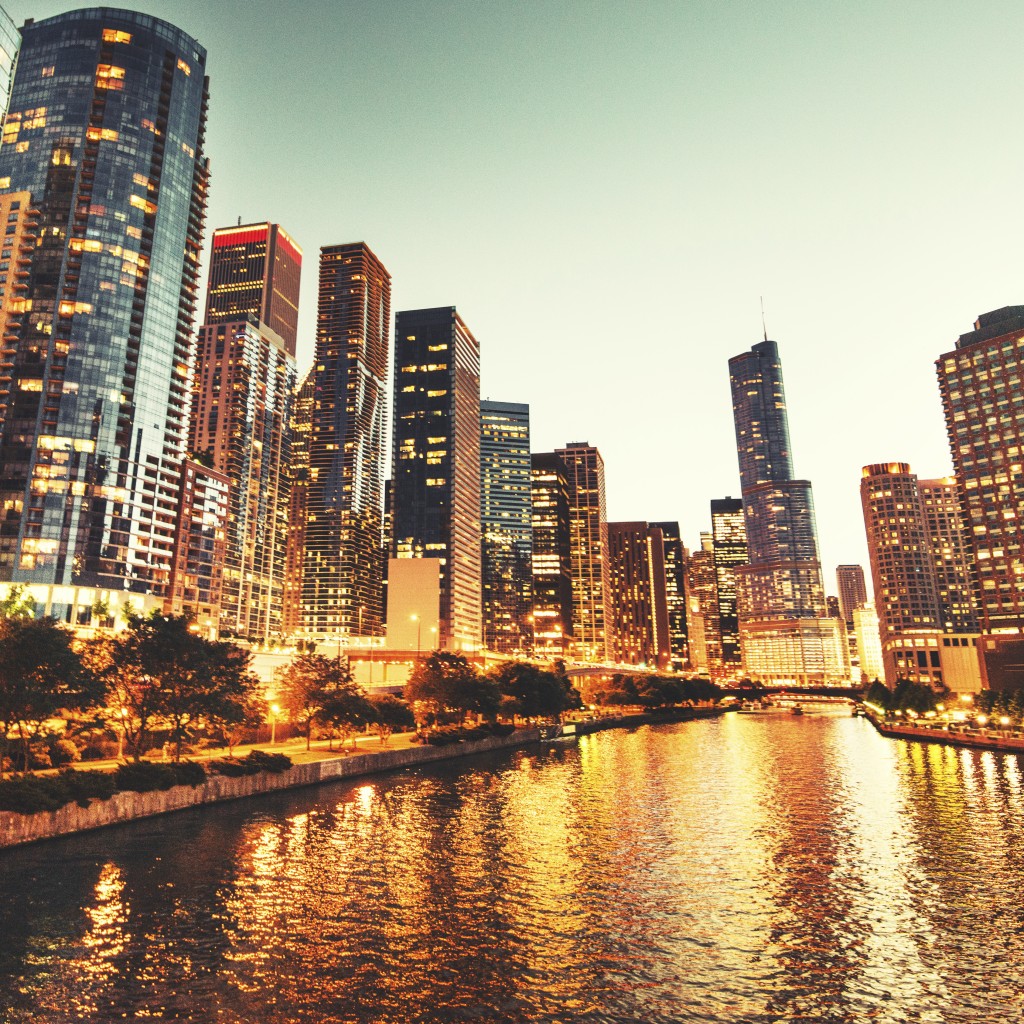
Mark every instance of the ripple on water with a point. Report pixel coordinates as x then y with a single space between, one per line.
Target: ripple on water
746 869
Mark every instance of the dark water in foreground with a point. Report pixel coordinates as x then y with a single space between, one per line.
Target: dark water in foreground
748 869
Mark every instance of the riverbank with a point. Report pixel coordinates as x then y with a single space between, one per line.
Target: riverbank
975 739
18 829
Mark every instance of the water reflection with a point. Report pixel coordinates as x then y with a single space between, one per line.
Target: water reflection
748 869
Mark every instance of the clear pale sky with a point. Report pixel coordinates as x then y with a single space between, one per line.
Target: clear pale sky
606 190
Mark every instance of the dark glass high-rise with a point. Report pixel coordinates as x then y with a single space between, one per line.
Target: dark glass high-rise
103 163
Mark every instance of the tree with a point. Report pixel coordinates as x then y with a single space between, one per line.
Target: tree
390 713
303 689
345 706
533 692
41 675
18 604
444 685
159 669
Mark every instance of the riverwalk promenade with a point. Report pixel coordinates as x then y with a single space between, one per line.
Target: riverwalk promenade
317 766
996 738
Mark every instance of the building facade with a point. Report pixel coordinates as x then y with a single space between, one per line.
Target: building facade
676 556
551 556
241 411
729 544
909 546
104 137
588 545
297 472
638 604
852 590
342 566
785 633
435 476
255 270
702 608
506 525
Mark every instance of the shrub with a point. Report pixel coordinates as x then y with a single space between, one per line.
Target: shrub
39 757
63 752
85 786
29 794
99 750
144 777
189 773
253 763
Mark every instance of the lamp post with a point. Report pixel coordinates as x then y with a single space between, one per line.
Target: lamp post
275 710
419 624
123 712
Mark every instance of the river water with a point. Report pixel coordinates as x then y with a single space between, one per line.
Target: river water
752 868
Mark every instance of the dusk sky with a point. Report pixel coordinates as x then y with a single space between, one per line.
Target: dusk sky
606 190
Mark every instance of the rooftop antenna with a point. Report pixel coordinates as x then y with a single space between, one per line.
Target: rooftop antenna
240 224
763 326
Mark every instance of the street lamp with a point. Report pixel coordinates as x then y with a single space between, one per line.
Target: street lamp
275 710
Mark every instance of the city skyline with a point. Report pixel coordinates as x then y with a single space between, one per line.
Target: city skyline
797 181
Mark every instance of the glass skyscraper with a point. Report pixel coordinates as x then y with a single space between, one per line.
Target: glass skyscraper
505 518
785 633
435 476
102 158
342 570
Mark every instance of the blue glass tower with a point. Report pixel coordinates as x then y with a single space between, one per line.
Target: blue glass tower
103 164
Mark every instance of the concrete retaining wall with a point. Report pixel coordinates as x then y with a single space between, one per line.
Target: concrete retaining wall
974 740
16 829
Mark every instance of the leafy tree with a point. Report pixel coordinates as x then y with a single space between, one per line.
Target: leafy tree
159 669
390 713
18 603
533 692
41 675
444 686
345 706
303 689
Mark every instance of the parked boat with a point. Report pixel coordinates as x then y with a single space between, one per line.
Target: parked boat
797 709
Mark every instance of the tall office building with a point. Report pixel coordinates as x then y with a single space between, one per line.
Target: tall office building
297 472
785 633
255 270
908 546
552 558
638 605
982 400
342 568
702 608
676 556
588 544
103 150
941 502
729 543
871 664
241 410
505 520
10 43
852 590
435 478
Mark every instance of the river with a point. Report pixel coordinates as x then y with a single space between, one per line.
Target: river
750 868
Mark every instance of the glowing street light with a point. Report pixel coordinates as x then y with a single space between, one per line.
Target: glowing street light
275 710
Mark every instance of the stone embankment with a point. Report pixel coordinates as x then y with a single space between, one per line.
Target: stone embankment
16 829
976 739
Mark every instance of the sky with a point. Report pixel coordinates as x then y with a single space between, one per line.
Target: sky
607 192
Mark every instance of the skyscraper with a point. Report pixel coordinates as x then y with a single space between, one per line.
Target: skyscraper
241 411
784 631
103 149
255 270
588 544
729 543
852 590
505 519
702 622
676 556
637 602
552 558
908 548
435 478
981 396
298 487
342 568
